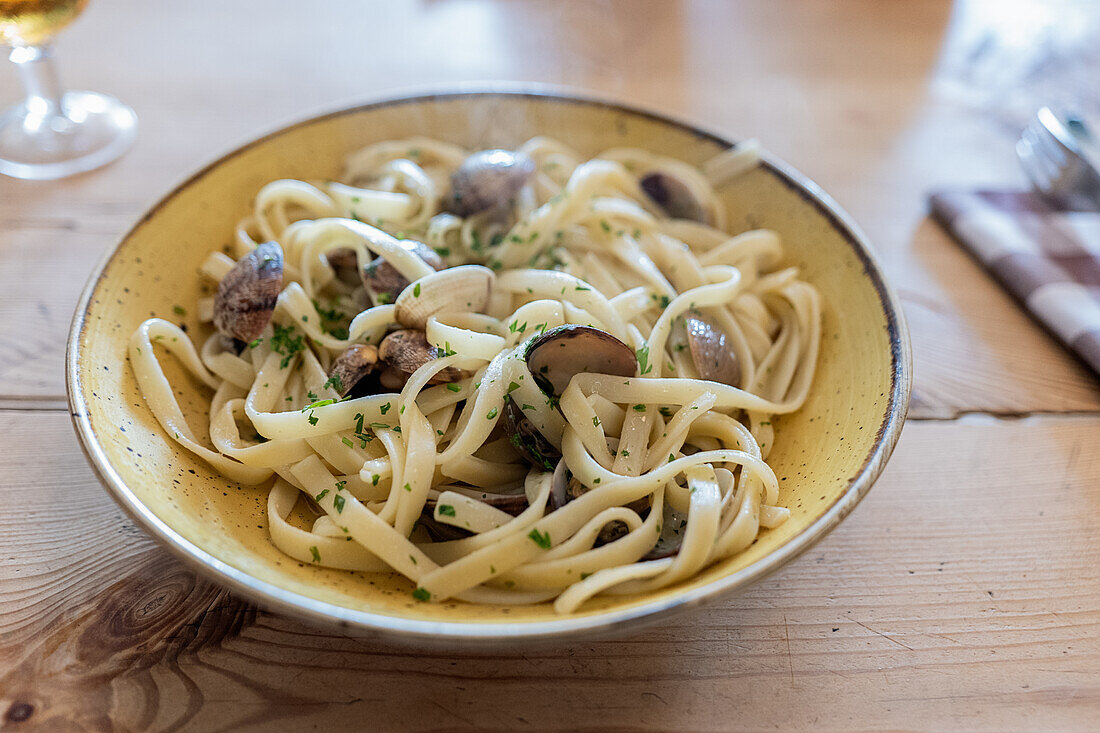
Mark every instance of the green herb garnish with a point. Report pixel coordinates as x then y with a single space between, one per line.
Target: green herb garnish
539 538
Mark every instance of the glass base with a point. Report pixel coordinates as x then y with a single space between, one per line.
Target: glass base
92 130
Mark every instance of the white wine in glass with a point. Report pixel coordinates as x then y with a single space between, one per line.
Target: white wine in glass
53 134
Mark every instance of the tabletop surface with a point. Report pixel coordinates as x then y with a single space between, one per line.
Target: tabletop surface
963 592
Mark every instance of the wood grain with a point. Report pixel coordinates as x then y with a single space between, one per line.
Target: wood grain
961 593
841 91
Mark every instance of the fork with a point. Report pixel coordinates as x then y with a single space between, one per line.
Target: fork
1052 158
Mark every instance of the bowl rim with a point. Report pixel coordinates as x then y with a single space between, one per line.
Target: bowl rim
473 633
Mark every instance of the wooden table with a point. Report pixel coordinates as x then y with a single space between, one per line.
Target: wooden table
964 591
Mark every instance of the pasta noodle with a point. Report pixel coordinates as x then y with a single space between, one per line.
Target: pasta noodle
509 376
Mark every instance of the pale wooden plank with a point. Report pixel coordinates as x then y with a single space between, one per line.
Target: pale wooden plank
963 592
854 112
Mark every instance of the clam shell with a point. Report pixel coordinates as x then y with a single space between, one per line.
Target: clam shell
408 350
562 352
355 363
247 294
463 289
713 358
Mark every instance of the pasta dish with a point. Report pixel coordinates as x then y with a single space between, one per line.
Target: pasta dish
511 376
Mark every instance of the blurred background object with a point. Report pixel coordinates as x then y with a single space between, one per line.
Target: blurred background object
1008 58
54 134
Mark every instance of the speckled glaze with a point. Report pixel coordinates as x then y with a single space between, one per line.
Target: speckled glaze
827 455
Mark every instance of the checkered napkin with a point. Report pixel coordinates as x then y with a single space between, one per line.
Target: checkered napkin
1048 257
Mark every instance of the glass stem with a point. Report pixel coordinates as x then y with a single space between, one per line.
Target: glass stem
39 76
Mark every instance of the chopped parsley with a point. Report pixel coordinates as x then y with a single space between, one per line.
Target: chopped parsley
312 419
338 502
340 485
322 495
491 414
318 403
446 510
408 488
255 342
384 408
539 538
374 477
643 359
639 408
416 290
284 342
512 387
316 555
335 383
595 421
454 387
422 594
347 441
179 310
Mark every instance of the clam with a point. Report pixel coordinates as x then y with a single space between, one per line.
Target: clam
344 262
553 359
246 295
564 489
393 378
674 196
383 278
557 355
664 548
559 486
407 350
490 179
349 369
527 440
463 289
712 356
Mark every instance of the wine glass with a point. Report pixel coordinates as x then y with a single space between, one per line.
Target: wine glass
53 134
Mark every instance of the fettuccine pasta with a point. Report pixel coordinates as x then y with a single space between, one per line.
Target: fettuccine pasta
510 376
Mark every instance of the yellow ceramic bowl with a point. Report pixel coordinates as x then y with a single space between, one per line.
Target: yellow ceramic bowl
827 454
